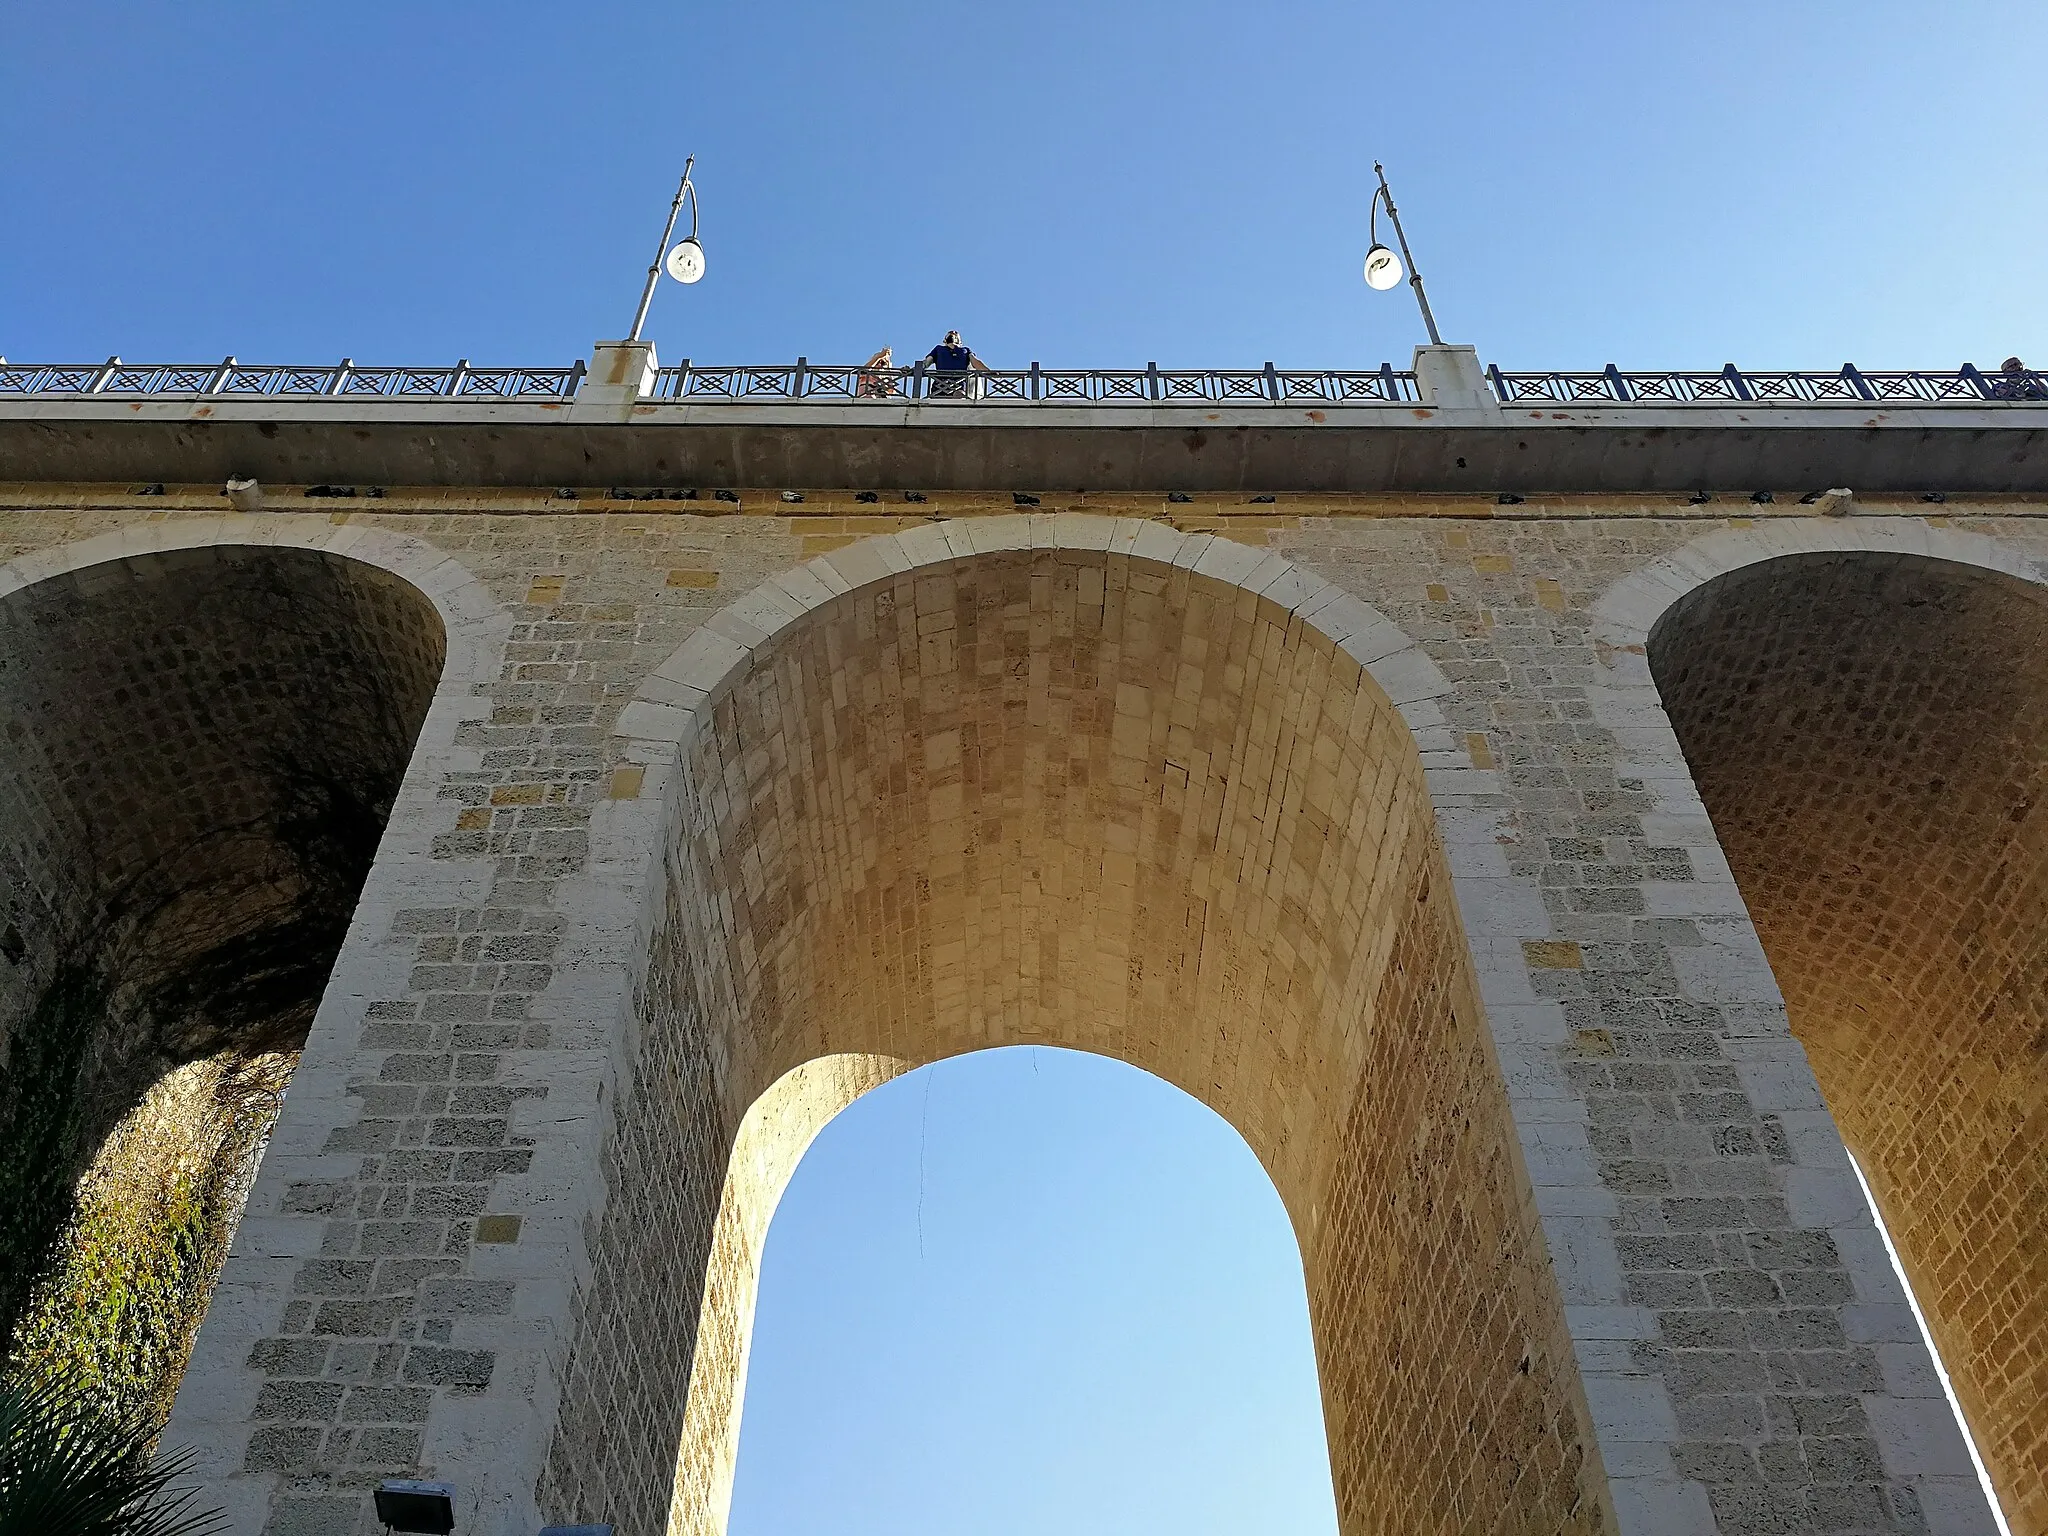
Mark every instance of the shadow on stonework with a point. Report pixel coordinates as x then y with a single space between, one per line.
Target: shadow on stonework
199 753
1867 732
1104 802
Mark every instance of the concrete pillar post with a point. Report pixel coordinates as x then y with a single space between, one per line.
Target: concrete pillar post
1450 378
620 373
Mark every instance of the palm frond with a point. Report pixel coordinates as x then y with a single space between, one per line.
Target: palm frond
69 1466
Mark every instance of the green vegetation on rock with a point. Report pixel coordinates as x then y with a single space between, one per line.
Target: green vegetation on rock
107 1269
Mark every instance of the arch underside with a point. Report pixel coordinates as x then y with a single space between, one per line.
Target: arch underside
199 751
1085 800
1867 732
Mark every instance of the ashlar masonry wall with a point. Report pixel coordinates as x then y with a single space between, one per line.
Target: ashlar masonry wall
419 1285
1867 730
1102 785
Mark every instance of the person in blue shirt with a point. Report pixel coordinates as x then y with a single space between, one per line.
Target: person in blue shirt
951 357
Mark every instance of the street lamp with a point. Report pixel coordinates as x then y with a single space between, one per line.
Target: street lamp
1382 266
685 263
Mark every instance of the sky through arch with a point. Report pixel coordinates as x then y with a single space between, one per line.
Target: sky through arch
1031 1289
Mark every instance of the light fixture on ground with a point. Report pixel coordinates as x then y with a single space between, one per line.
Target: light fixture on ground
1382 267
684 262
427 1509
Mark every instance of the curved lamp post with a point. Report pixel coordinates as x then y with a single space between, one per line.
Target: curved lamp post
686 262
1382 266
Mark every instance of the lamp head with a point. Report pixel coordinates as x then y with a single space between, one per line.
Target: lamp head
1382 268
685 263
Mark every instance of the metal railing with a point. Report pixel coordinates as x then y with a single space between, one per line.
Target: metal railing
230 380
805 381
1150 385
1733 386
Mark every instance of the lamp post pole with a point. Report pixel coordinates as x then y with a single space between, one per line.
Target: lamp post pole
654 267
1414 277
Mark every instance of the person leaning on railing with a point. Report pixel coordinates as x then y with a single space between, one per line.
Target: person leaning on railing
952 360
2015 382
878 376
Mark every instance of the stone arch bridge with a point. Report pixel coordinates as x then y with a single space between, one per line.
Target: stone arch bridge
1553 888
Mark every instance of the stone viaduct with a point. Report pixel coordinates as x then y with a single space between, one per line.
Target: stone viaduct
1548 831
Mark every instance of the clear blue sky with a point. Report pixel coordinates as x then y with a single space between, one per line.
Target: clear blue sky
1102 1327
1083 183
1031 1292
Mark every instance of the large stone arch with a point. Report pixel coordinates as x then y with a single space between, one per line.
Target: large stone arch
208 721
1098 784
1863 708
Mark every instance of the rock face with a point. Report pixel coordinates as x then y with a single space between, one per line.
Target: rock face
1466 859
200 752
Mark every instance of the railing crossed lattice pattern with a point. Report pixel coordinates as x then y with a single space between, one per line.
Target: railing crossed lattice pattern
857 383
